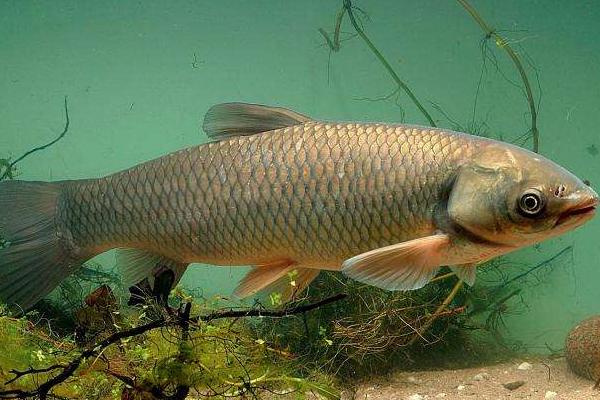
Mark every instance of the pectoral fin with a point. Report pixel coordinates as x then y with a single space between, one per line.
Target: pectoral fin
466 272
403 266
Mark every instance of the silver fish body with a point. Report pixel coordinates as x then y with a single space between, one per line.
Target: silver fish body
387 203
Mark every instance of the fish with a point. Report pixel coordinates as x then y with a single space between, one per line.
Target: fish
385 204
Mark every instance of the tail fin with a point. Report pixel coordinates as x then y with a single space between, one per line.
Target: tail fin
32 259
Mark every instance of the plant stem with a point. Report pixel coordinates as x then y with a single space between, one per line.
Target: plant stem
12 165
334 44
385 63
503 43
442 277
437 312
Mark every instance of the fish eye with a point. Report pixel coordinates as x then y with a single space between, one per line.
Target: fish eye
532 203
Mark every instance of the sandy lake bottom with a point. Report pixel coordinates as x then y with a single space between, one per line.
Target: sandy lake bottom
540 379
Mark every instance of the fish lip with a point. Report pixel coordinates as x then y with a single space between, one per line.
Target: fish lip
585 209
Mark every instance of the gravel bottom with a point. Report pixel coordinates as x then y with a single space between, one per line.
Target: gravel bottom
525 379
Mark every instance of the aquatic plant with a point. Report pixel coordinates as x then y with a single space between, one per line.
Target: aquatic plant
502 43
156 353
374 331
369 331
7 169
334 44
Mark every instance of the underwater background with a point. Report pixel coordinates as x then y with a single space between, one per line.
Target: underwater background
139 76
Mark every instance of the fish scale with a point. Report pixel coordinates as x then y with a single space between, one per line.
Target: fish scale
314 193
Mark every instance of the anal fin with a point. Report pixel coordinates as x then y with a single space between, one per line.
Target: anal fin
292 285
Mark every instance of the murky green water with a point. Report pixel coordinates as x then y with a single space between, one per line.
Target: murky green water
140 75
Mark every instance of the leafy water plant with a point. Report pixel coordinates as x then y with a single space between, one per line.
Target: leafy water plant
7 169
374 331
156 353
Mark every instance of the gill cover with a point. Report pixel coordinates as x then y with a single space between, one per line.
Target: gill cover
479 196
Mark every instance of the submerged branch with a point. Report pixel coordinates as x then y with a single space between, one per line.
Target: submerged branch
503 43
8 171
439 312
182 320
19 374
334 45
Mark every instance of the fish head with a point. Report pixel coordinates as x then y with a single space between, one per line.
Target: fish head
513 197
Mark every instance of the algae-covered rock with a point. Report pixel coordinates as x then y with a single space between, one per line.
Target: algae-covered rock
583 348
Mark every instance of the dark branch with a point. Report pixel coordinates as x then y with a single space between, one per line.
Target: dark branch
182 320
286 311
12 165
30 371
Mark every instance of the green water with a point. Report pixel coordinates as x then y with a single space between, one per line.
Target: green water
139 75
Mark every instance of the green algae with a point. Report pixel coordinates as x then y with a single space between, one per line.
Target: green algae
217 359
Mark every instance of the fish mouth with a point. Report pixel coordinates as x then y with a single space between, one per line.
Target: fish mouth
582 211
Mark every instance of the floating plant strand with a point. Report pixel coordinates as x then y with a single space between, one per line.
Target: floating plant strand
401 84
503 43
8 171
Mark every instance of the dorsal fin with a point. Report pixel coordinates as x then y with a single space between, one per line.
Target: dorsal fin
240 119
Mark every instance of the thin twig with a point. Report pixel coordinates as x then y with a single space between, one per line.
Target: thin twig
504 44
12 165
182 391
440 310
401 84
43 390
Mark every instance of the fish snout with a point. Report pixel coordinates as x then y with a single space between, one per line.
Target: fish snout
589 199
583 207
595 199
